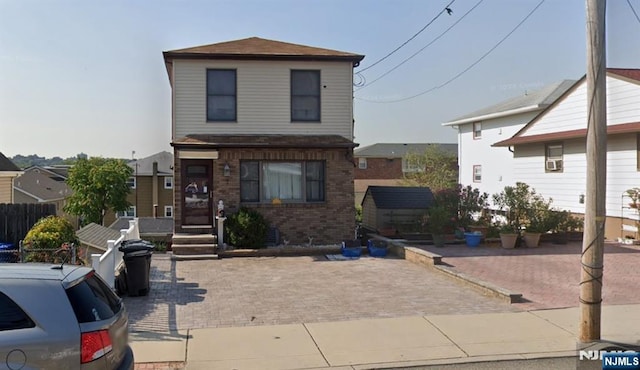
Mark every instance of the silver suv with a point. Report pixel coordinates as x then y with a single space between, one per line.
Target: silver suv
60 317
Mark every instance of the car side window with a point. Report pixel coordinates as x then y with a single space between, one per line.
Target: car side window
12 317
92 300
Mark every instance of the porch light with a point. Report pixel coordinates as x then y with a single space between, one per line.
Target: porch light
227 170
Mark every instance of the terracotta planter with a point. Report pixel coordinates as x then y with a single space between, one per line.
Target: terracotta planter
508 241
532 239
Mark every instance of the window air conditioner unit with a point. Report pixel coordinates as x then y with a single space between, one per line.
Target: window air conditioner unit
554 164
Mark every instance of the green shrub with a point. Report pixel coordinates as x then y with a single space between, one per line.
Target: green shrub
50 234
247 229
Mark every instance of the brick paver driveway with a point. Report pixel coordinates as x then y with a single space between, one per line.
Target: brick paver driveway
548 276
285 290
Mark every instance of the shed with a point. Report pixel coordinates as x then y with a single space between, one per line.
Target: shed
395 207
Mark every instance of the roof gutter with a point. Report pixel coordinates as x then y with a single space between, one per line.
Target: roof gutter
531 108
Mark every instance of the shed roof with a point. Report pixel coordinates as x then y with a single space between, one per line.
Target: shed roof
400 197
399 150
97 236
7 165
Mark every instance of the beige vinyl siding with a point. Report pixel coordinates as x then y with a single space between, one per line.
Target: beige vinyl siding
623 106
6 188
263 98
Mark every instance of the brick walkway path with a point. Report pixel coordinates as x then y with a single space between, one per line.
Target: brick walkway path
548 276
285 290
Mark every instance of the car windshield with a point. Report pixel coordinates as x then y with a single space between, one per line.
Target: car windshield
92 300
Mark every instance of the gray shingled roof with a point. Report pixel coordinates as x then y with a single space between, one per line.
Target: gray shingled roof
147 225
145 165
41 187
96 236
400 197
7 165
538 100
399 150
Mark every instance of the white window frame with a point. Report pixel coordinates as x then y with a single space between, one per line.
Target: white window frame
130 213
553 163
168 184
132 182
477 173
168 211
412 166
477 130
362 163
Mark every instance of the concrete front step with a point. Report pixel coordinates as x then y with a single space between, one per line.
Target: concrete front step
193 249
187 239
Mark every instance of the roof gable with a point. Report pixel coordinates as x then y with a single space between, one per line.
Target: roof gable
144 166
259 48
7 165
625 75
399 197
41 187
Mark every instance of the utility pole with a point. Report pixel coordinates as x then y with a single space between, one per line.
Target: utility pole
595 205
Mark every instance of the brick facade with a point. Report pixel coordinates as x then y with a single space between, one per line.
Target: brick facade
380 168
327 222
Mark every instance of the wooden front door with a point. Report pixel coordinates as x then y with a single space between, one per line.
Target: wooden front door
197 193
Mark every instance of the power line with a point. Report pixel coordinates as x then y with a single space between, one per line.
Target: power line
633 10
412 37
421 50
466 69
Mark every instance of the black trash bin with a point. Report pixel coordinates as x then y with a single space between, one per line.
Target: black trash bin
137 264
8 252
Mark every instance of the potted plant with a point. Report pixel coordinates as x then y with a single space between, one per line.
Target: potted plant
539 220
471 210
437 220
634 196
509 235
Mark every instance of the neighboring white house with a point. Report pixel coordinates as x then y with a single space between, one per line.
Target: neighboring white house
490 168
549 152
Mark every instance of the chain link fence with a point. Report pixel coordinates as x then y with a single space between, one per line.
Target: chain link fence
67 253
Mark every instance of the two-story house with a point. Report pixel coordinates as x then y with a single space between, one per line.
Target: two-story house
549 153
151 186
267 125
480 164
384 164
8 172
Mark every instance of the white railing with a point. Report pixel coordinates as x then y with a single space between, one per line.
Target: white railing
107 263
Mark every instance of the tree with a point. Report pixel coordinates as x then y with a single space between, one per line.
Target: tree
436 168
98 185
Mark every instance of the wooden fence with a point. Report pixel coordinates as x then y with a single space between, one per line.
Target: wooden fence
17 219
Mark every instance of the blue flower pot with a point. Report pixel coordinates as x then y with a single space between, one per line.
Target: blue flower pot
473 239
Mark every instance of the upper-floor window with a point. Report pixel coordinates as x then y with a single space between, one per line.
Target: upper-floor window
282 181
362 163
131 212
553 157
131 182
477 173
221 95
168 211
168 182
477 130
305 95
413 164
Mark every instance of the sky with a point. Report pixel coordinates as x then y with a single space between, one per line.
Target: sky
85 76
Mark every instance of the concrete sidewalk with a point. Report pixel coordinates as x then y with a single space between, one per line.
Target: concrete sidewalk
385 343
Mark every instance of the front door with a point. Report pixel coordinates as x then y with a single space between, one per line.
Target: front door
197 192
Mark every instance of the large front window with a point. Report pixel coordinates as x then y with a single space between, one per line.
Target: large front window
305 95
221 95
282 181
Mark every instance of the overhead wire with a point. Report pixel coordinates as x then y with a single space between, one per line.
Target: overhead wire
463 71
411 38
633 10
419 51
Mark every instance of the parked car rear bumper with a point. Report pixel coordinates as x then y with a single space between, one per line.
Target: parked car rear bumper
128 360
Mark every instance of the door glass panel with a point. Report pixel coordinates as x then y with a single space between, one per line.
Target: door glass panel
196 195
